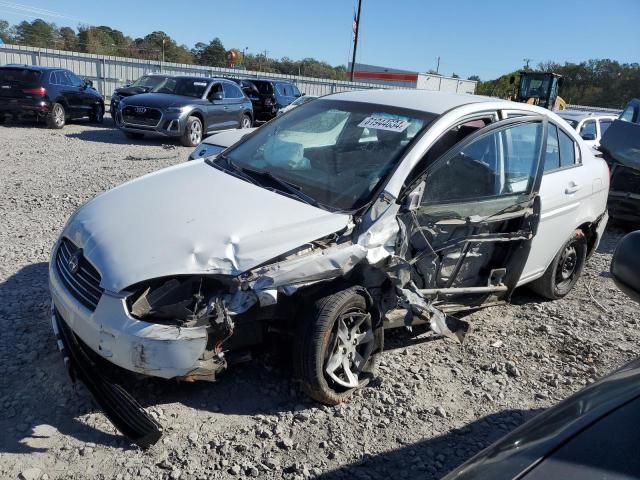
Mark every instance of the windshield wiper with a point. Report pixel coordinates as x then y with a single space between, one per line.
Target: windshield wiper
284 184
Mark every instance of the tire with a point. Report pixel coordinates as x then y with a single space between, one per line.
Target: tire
192 135
134 135
319 344
246 122
97 115
57 117
565 269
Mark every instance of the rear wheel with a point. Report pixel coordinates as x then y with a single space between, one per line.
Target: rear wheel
192 135
565 269
57 117
338 346
97 115
245 122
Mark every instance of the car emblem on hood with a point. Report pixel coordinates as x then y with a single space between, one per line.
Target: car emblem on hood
74 261
141 109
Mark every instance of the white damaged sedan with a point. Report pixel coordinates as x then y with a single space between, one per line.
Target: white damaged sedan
354 213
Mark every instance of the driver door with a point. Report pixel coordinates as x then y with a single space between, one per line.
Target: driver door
469 237
216 108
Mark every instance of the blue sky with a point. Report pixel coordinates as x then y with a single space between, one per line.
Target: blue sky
483 37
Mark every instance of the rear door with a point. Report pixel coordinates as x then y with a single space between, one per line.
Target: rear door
233 110
85 98
470 236
566 183
70 93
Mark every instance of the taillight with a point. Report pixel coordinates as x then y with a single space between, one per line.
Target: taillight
40 91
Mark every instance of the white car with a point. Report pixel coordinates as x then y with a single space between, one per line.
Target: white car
589 125
296 103
420 204
214 144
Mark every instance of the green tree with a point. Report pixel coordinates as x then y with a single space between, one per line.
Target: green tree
475 78
455 75
212 54
37 33
5 32
69 39
152 46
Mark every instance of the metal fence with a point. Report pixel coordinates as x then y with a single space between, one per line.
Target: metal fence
108 72
584 108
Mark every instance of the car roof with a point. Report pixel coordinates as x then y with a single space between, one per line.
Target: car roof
31 67
424 100
581 114
204 79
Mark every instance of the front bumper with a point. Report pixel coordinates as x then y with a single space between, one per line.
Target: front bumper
151 349
170 125
624 206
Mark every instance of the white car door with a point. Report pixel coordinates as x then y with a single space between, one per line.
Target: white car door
566 184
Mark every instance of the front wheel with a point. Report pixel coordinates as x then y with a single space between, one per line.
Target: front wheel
57 117
97 115
192 135
565 269
338 346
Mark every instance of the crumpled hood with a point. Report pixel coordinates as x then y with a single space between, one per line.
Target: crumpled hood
191 219
160 100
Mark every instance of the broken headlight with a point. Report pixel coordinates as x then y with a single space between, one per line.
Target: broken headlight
187 302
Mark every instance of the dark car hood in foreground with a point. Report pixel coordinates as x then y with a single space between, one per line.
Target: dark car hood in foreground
621 144
525 447
160 100
129 91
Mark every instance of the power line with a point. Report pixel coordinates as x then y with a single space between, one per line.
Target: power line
26 9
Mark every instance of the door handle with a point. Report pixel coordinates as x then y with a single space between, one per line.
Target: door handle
572 188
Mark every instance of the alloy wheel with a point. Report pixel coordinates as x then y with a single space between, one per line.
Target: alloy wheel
351 344
58 115
246 122
195 133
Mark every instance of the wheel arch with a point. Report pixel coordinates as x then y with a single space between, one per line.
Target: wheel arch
200 116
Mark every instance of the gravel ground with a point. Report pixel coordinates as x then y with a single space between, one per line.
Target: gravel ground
435 404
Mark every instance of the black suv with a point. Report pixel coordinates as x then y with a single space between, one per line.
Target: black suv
184 107
268 96
49 93
144 84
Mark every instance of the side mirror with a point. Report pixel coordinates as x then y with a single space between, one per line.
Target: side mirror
512 80
217 96
625 265
411 202
88 83
298 95
588 136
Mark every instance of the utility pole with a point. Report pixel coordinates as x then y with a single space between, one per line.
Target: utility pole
355 39
162 66
526 61
438 65
244 51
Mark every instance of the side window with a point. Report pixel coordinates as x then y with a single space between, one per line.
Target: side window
567 150
231 91
445 142
62 78
216 88
500 165
74 79
604 125
588 128
552 153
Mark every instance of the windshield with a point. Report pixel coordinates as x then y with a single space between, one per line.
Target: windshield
263 87
337 153
148 82
21 76
534 86
189 87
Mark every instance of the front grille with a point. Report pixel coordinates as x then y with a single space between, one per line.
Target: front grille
84 284
625 180
150 117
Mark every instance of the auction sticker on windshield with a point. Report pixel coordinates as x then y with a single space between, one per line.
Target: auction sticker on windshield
384 123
